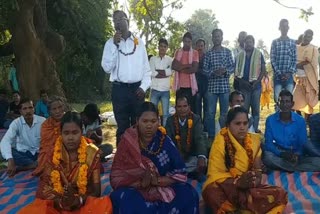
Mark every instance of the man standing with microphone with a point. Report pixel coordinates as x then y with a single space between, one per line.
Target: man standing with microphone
125 59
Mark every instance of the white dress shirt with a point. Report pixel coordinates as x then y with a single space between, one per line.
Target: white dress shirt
127 69
158 63
25 137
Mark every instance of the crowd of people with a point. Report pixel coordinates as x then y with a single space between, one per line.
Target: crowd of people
154 159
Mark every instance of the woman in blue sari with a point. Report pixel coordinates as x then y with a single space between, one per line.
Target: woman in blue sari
148 174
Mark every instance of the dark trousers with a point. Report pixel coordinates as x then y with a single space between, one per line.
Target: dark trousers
188 93
125 104
200 97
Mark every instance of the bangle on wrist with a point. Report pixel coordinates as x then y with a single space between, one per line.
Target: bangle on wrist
81 200
159 181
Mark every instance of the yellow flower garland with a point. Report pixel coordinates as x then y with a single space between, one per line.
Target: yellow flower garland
231 151
83 170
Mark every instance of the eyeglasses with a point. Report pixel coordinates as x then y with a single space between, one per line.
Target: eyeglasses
120 19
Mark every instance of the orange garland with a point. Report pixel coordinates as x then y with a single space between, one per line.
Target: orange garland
83 170
177 131
230 151
163 137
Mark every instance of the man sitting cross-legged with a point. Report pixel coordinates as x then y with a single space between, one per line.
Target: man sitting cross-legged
285 139
24 133
186 130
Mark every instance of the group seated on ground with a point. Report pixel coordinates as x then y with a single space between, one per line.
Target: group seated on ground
159 171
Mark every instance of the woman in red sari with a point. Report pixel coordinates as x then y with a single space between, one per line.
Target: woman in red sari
70 182
50 131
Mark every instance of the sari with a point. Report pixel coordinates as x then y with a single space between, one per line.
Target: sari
129 166
45 193
305 93
223 196
50 131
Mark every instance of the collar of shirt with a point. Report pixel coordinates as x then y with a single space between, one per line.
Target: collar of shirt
293 119
34 121
182 122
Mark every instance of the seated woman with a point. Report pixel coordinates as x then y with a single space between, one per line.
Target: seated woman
148 174
234 173
50 131
71 182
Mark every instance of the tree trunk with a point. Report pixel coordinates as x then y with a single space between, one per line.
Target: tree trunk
35 47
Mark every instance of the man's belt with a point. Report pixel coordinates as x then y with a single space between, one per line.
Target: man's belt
127 85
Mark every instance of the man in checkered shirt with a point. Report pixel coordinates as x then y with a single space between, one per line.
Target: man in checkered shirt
283 60
218 65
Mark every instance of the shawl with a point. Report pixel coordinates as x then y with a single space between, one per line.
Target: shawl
193 80
50 131
217 170
129 167
255 65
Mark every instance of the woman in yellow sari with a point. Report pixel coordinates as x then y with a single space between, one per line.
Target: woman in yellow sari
234 172
305 93
70 182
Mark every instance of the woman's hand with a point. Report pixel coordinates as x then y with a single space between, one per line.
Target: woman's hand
146 179
249 179
70 203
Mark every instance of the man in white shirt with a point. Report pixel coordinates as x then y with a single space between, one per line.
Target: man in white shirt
125 59
24 133
160 81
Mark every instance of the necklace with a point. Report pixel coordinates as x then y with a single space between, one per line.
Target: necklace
231 151
162 138
136 42
178 134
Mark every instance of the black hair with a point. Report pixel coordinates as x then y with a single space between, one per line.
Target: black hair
187 35
282 21
92 112
217 30
235 93
249 37
201 40
120 11
182 96
25 100
16 92
286 93
71 117
43 91
163 41
149 57
233 112
147 106
309 31
54 99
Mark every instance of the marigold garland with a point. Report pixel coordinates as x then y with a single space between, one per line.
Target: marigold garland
83 170
162 138
231 151
189 133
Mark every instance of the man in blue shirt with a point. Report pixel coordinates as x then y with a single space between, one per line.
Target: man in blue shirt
42 105
285 139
